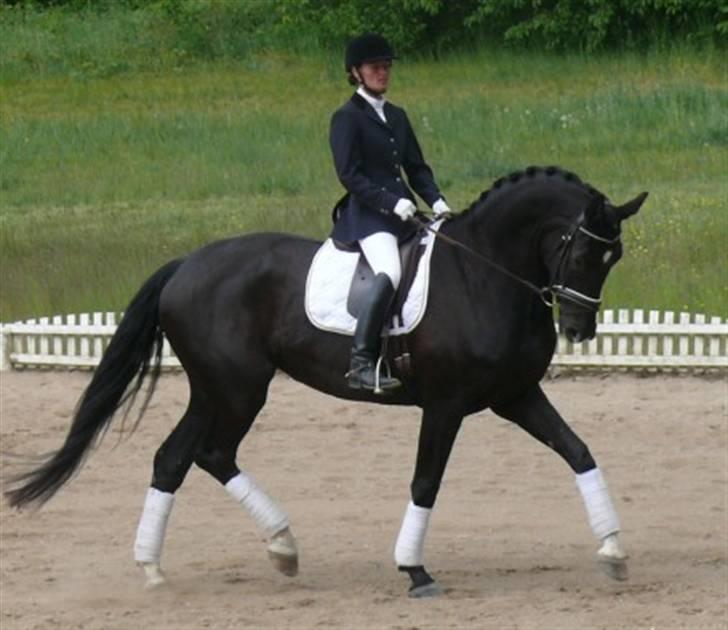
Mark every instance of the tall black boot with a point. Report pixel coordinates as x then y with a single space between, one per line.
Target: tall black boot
368 338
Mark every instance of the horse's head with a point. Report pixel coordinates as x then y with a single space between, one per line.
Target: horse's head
589 249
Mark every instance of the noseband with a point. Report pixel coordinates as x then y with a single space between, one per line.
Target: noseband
557 288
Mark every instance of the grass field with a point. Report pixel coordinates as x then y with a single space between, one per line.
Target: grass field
102 179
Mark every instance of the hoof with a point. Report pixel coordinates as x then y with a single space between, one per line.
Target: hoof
615 569
283 553
433 589
155 576
612 558
423 584
286 564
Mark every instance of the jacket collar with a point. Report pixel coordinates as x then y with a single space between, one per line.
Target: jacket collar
361 103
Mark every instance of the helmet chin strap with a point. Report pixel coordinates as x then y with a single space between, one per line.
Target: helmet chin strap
363 84
372 92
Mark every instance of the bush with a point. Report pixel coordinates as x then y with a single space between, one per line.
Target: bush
599 24
211 29
104 37
551 24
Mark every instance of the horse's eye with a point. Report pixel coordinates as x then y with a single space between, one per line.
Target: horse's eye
579 262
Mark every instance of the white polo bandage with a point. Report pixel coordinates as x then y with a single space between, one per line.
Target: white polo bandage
152 526
411 539
266 513
602 515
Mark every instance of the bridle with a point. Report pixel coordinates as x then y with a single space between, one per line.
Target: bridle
557 289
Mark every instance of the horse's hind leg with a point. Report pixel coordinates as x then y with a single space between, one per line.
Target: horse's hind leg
216 455
535 414
171 463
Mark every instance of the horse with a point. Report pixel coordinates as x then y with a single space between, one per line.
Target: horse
233 312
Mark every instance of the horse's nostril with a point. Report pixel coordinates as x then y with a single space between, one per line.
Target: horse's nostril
573 335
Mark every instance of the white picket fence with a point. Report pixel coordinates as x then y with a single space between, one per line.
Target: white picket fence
625 339
73 341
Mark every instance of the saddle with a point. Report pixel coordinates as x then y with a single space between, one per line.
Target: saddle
410 252
339 278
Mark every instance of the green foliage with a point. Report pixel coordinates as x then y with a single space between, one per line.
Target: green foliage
105 37
598 24
411 25
211 29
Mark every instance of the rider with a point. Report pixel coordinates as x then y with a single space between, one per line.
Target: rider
372 142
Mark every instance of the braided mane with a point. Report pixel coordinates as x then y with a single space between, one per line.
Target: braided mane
505 183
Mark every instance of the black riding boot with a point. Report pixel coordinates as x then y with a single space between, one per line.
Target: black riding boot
368 338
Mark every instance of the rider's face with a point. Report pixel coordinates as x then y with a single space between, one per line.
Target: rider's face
375 76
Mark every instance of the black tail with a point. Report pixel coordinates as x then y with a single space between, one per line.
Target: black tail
136 343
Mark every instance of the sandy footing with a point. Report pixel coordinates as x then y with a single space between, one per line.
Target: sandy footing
509 540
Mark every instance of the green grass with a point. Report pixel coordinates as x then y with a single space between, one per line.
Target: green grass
103 178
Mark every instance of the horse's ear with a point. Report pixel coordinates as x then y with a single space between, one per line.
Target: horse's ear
631 207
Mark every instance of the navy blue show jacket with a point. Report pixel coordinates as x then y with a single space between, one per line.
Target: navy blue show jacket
370 156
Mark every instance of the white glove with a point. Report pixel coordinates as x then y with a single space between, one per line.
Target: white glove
440 207
405 209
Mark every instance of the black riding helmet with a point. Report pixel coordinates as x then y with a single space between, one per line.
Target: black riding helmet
367 48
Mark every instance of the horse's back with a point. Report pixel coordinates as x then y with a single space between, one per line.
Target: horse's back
229 283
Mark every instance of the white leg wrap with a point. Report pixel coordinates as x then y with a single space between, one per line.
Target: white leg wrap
602 516
152 526
411 539
266 513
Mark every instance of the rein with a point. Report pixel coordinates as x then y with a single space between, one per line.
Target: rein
542 292
547 293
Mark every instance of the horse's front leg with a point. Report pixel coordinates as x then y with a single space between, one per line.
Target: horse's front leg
535 414
437 435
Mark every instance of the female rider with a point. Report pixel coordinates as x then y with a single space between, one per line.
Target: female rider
372 142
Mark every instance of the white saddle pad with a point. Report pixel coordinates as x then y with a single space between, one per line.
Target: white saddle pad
329 279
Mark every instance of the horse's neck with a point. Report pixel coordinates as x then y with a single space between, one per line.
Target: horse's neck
515 234
508 235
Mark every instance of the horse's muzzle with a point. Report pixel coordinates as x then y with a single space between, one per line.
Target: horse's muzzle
578 328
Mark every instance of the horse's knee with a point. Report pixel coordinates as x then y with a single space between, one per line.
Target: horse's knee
169 470
221 465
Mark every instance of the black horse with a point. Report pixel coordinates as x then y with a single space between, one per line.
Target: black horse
234 313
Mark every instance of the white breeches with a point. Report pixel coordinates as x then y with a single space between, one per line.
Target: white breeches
382 253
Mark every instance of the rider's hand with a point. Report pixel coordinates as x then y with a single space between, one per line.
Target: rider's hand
405 209
440 207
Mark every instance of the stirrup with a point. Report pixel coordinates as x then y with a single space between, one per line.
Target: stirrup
395 383
377 375
372 379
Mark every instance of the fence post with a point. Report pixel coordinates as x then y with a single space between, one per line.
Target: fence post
638 317
4 350
71 340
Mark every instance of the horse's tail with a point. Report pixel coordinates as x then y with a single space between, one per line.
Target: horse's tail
134 349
